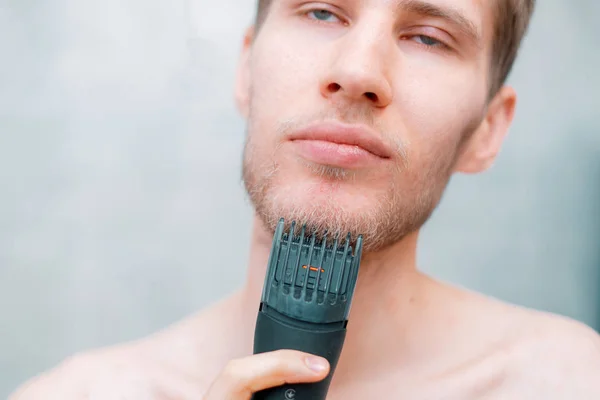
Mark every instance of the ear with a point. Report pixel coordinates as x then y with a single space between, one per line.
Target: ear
242 84
481 149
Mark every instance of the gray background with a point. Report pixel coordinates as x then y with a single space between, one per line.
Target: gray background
120 195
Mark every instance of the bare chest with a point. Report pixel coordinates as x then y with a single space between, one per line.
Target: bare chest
472 384
400 391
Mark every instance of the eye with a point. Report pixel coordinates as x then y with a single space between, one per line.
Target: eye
323 15
428 41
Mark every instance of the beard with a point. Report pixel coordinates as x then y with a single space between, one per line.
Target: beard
388 214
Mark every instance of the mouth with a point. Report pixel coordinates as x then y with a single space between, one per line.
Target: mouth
340 145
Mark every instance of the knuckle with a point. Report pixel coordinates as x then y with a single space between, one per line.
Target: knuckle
286 363
287 357
283 363
282 354
232 370
278 364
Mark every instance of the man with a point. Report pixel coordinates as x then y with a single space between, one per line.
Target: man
358 112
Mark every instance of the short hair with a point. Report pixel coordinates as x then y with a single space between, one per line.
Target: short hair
511 23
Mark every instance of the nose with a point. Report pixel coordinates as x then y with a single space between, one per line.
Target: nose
358 71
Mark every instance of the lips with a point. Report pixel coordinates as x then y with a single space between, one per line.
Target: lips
340 144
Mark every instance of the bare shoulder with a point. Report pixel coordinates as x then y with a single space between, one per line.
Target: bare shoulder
81 372
553 358
533 354
167 364
125 371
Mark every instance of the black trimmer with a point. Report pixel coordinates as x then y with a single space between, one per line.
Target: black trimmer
305 302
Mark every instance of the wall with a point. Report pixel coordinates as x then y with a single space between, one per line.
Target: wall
120 194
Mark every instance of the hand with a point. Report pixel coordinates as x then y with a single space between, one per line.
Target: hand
245 376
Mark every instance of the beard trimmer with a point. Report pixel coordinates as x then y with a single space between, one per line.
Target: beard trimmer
305 302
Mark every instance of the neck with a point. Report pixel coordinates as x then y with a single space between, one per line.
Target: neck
383 305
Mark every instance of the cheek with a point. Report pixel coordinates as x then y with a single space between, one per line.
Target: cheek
437 108
284 74
441 102
282 88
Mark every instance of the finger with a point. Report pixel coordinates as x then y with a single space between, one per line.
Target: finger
245 376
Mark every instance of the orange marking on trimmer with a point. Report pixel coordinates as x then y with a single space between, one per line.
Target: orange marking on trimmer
313 268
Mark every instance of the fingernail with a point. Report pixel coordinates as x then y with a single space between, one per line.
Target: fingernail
316 364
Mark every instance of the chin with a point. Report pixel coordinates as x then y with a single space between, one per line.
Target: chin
317 201
331 189
333 200
322 204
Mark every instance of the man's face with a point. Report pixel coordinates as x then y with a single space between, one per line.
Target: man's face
359 110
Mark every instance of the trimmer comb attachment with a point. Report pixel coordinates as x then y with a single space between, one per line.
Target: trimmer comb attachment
306 301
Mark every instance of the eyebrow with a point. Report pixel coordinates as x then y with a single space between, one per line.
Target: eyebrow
453 16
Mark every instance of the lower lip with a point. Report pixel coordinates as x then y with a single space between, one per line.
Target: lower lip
335 154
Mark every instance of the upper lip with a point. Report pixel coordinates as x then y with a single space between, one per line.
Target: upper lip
335 132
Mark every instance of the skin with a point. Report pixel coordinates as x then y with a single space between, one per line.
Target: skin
409 336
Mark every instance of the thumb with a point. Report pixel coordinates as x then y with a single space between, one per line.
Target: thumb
245 376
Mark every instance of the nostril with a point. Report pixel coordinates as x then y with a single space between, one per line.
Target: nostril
371 96
334 87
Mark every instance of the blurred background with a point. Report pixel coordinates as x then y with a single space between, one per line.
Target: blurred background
120 174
